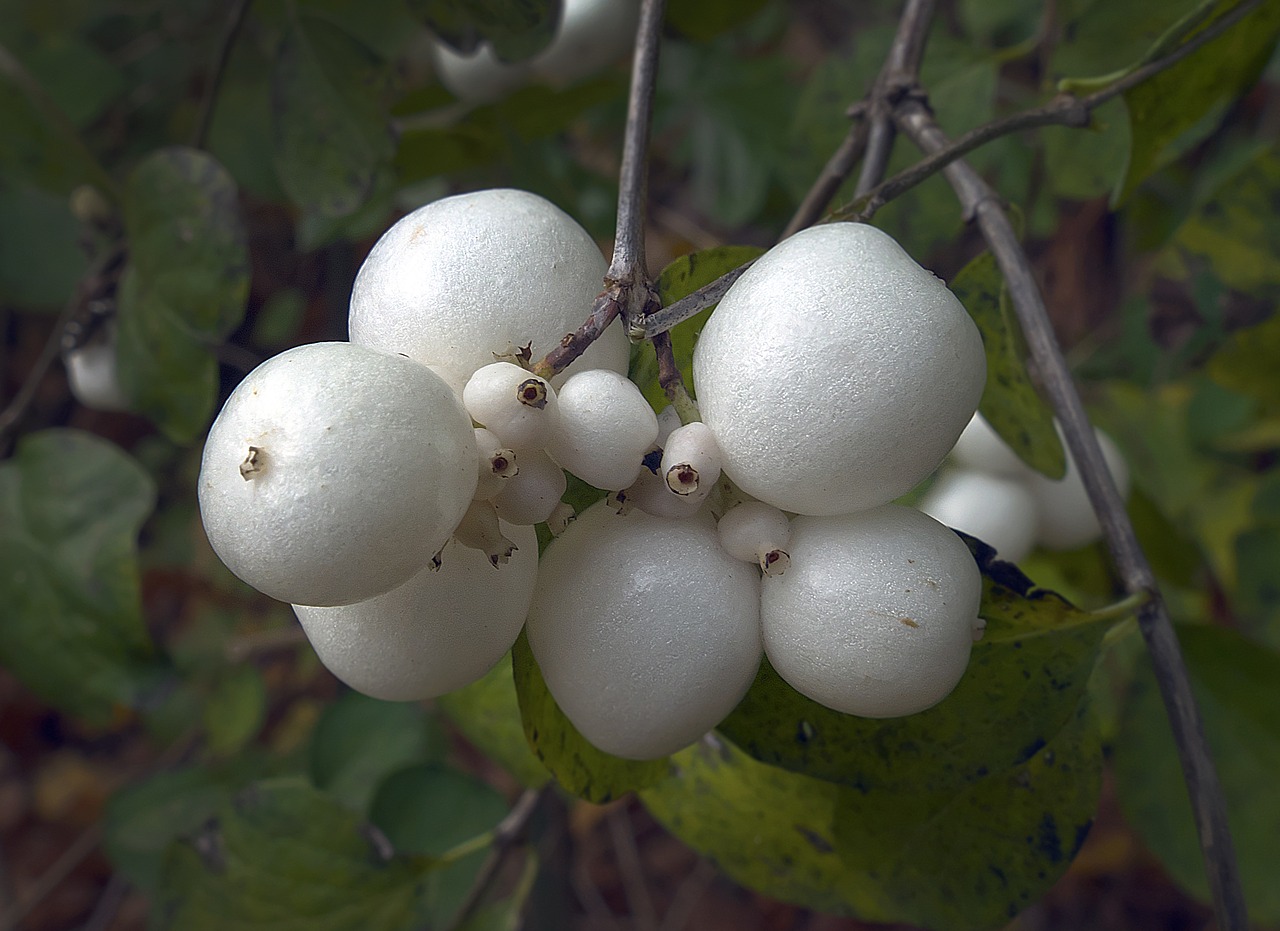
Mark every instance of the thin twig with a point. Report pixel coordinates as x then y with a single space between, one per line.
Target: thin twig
54 876
506 835
622 833
109 902
982 203
834 174
659 321
235 20
246 646
901 71
628 246
672 381
1062 110
687 896
100 277
628 291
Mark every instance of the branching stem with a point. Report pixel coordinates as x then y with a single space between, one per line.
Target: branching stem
981 203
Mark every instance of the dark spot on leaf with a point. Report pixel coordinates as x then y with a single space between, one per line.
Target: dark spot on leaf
1047 840
1030 750
817 841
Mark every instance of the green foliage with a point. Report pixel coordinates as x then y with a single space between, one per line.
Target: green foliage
283 855
515 28
1235 683
71 506
429 810
331 136
360 740
184 288
144 819
1184 103
1237 227
1010 402
40 259
235 710
488 714
577 765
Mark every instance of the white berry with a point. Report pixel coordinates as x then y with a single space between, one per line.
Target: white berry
93 373
437 632
876 615
837 373
468 276
646 631
532 495
758 533
1066 518
478 76
591 35
606 427
997 510
691 460
334 473
514 403
982 449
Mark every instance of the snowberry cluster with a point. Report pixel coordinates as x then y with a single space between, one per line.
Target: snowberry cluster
989 493
387 486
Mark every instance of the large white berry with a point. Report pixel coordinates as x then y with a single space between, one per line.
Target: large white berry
998 510
876 614
758 533
474 275
837 373
437 632
606 427
646 631
334 473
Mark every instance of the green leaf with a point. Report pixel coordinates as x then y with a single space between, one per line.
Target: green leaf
1237 227
71 505
235 710
515 28
1087 163
430 810
185 287
488 715
1024 682
577 765
680 279
1010 402
332 137
702 20
360 740
1184 103
287 857
994 847
505 915
1246 363
40 143
1235 681
40 258
142 820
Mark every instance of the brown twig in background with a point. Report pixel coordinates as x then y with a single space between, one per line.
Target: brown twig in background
235 21
506 836
622 833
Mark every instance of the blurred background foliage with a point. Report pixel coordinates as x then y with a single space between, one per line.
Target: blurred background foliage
206 177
